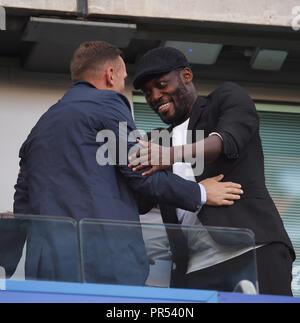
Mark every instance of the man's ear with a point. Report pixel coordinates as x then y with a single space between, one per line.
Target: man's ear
109 76
187 75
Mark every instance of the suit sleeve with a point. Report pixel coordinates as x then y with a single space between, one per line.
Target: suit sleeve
21 198
163 186
12 239
145 205
12 231
238 119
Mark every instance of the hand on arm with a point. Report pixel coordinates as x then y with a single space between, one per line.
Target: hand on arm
162 187
161 158
218 193
221 194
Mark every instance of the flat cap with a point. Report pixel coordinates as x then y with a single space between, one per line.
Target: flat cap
161 60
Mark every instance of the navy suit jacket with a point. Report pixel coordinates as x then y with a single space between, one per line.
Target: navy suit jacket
60 175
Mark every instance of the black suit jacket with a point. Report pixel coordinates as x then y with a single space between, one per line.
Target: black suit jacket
230 112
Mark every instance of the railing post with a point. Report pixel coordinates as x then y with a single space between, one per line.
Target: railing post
2 18
2 279
82 8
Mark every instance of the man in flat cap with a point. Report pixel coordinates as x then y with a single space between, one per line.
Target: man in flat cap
232 146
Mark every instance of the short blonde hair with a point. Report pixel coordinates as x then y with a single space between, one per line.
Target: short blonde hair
90 55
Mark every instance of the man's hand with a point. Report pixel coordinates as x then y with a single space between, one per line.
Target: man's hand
221 194
159 157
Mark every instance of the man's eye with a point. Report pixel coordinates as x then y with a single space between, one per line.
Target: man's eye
162 84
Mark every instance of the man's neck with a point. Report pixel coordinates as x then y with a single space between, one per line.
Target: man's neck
194 97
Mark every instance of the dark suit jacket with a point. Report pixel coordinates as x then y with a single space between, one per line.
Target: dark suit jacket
230 112
12 237
60 176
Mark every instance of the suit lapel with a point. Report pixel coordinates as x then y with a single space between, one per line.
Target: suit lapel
196 112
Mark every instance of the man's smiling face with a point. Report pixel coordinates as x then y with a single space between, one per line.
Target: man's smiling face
169 97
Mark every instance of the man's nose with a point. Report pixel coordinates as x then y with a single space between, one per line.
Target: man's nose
156 95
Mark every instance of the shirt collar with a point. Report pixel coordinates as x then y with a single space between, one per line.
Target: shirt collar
82 82
183 126
195 115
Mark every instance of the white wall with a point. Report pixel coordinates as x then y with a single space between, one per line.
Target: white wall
24 97
257 12
53 5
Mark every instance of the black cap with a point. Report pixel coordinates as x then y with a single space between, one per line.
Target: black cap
158 61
